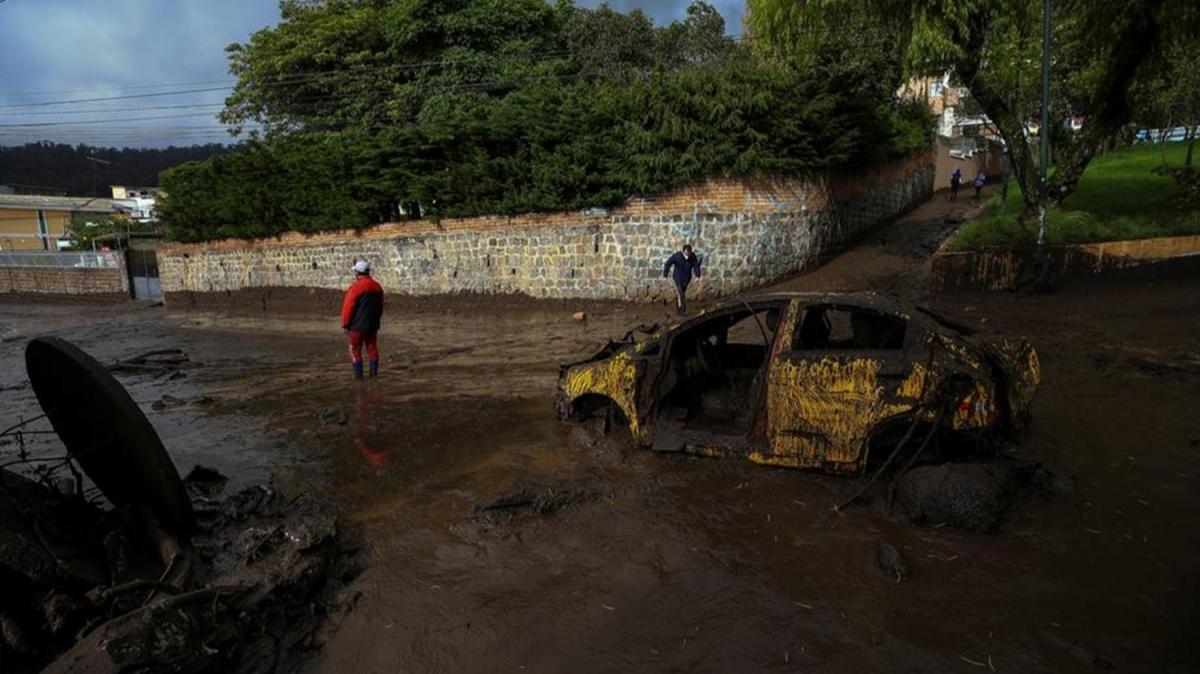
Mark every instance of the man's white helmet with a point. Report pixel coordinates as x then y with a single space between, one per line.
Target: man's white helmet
362 266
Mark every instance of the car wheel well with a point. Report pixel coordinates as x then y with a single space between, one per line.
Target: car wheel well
591 405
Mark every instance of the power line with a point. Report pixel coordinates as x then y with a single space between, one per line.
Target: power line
48 113
104 121
111 98
464 86
287 80
131 87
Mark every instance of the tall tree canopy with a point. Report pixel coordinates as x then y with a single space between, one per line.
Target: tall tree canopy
368 110
1101 50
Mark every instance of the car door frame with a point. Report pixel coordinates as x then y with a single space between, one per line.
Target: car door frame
756 436
854 388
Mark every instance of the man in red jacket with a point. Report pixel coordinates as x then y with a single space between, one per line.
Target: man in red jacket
361 311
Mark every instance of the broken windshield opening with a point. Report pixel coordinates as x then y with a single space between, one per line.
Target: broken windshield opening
825 327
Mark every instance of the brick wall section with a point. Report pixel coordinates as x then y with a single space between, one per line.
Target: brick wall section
748 232
63 281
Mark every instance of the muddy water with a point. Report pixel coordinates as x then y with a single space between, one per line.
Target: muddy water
679 564
670 563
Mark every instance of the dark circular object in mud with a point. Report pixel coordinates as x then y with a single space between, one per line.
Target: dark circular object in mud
970 496
106 433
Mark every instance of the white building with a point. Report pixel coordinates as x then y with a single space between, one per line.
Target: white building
139 201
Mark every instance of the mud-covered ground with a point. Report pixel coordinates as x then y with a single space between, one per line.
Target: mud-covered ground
641 561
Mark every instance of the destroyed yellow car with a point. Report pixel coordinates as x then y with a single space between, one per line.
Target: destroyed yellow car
805 381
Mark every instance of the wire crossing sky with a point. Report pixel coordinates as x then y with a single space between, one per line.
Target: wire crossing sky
69 68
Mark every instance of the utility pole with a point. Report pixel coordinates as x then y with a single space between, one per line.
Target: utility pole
1044 154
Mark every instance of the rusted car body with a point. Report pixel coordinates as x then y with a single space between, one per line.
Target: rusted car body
803 380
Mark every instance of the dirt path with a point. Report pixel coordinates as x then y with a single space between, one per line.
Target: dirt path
893 259
670 563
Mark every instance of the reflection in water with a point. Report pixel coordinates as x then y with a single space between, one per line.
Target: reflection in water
366 402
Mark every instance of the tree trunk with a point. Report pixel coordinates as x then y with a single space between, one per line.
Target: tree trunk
1191 136
1105 115
1012 130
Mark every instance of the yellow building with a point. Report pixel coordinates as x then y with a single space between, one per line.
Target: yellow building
32 222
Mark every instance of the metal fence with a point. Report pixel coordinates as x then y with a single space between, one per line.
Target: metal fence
76 260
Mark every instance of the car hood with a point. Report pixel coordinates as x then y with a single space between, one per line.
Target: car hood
641 334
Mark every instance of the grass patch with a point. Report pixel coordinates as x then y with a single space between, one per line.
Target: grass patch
1119 197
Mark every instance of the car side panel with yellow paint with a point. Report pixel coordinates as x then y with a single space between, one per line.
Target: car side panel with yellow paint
821 411
615 378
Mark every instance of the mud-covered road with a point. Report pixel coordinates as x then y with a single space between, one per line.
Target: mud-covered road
666 563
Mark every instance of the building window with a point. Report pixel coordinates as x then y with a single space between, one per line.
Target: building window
936 89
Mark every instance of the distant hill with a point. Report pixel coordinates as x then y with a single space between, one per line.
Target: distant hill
56 166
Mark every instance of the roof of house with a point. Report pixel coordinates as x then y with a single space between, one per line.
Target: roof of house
80 204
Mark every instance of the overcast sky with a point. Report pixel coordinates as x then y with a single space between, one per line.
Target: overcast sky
66 50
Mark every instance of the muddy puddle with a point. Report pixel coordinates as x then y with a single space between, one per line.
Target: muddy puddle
606 559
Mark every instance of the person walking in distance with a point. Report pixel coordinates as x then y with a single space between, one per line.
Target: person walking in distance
685 265
978 183
362 310
955 183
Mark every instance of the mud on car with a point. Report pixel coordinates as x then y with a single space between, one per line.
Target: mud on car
804 381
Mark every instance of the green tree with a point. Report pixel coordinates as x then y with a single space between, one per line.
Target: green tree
87 227
993 46
376 109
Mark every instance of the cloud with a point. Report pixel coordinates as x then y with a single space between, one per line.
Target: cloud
117 47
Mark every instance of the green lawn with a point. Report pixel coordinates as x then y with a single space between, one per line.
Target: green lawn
1119 197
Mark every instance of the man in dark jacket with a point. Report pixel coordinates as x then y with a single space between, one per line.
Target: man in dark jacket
362 310
685 265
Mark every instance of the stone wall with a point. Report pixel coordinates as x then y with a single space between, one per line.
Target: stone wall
747 232
64 281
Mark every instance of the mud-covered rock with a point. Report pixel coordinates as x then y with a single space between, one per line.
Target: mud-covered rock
332 416
204 481
167 402
970 496
890 561
527 501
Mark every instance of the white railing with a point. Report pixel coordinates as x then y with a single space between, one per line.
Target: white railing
77 260
1172 135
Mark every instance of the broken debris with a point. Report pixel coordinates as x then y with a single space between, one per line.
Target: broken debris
237 583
